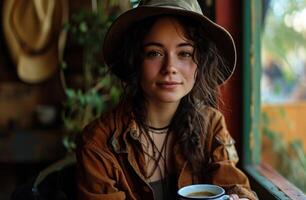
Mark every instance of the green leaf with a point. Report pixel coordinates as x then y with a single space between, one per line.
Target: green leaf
115 94
70 93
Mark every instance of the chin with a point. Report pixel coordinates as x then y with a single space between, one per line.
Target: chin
170 99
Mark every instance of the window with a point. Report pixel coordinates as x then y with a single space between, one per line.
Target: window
274 82
283 89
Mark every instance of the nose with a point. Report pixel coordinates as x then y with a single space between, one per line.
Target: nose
169 66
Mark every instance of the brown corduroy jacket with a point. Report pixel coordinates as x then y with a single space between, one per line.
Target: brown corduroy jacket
110 160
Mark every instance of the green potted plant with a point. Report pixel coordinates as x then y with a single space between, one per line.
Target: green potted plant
100 90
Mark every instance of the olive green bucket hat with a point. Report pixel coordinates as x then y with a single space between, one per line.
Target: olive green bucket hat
188 8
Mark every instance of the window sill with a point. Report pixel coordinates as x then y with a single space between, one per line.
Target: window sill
268 184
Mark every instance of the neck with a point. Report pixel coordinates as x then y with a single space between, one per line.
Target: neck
160 115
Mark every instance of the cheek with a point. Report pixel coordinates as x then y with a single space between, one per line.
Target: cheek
148 73
150 68
191 72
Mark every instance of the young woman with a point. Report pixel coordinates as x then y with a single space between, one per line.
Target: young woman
166 133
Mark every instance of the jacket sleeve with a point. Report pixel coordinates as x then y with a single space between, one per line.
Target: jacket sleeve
97 173
224 158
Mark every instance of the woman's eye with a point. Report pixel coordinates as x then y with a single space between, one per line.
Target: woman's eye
152 54
185 54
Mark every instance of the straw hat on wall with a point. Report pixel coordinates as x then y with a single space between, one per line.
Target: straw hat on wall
34 36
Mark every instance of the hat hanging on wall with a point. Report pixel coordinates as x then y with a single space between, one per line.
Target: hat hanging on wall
34 36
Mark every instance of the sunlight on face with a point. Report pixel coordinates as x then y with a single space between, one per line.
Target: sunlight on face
168 68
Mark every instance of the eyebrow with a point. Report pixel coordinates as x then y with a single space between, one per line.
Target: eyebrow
160 45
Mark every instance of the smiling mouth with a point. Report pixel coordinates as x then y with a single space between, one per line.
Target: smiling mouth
169 84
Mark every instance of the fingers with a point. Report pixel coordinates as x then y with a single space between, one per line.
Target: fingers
234 197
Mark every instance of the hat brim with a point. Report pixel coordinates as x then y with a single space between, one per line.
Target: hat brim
35 69
221 37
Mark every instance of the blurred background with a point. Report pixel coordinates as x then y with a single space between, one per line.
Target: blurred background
53 82
283 88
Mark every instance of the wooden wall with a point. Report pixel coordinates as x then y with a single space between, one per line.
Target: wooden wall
229 15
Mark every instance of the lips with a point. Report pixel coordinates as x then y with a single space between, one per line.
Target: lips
168 84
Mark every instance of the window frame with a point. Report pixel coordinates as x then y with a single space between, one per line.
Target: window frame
264 179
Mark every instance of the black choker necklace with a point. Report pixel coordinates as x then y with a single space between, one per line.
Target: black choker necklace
158 130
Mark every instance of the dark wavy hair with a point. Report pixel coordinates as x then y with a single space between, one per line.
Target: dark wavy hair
188 122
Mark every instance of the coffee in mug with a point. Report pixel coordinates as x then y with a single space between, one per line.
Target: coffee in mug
202 191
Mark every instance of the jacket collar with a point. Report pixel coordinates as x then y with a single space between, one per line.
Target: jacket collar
124 128
127 130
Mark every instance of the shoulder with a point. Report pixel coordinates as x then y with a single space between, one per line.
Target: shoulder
216 124
217 127
99 131
213 115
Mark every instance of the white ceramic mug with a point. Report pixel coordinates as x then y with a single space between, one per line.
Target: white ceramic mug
202 191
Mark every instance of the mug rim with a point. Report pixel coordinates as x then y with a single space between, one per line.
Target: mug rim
208 197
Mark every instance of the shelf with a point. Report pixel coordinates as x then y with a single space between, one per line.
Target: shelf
30 146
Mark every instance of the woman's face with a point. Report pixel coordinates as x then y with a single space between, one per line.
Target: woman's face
168 69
